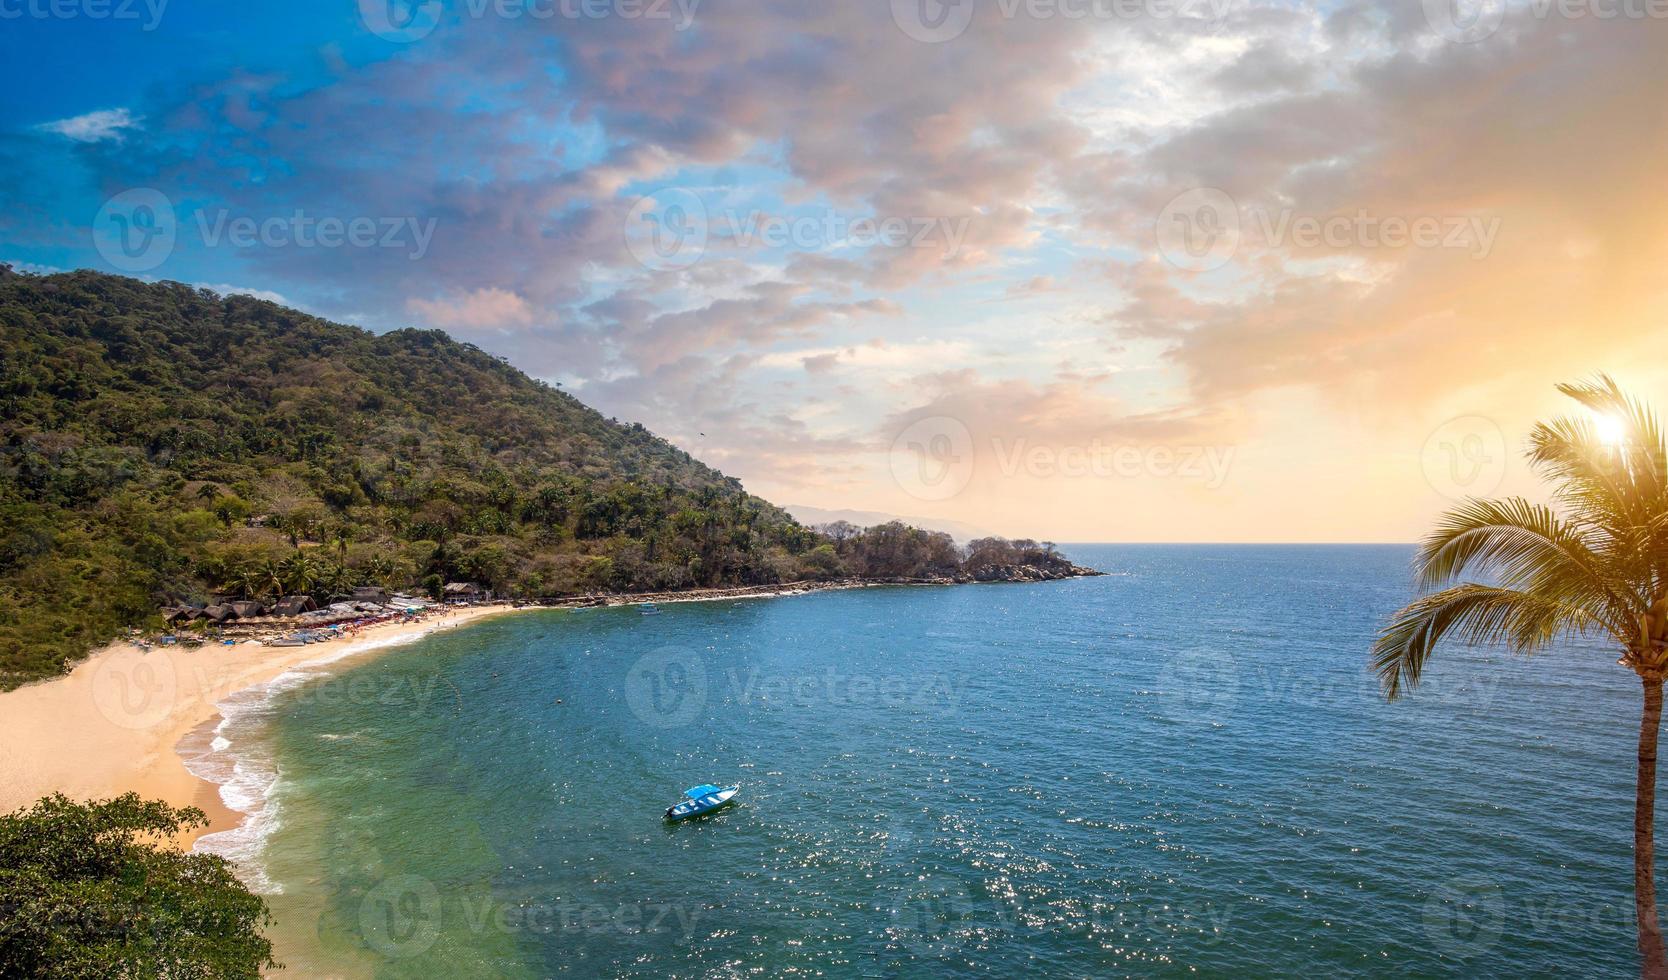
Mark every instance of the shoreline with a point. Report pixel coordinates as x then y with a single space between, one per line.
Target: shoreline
117 722
131 720
127 719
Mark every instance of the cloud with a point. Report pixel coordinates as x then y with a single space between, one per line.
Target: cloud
225 289
1053 143
93 127
482 309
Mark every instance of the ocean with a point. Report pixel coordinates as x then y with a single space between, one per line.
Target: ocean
1184 767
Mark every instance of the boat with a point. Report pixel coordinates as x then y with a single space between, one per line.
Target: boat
649 609
701 800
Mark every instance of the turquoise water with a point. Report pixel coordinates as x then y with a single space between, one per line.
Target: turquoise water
1181 768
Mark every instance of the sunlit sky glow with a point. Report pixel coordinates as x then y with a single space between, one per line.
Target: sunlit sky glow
1429 225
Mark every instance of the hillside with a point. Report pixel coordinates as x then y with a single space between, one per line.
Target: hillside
162 444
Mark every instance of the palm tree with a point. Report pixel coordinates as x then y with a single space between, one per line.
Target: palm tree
258 577
336 578
299 572
380 568
342 534
1595 563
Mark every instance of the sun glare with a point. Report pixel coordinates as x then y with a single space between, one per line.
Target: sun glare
1610 429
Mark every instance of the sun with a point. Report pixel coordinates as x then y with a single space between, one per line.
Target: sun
1610 429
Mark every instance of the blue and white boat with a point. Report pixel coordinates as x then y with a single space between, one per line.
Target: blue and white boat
649 609
701 800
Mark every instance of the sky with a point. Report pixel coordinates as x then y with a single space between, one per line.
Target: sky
1080 270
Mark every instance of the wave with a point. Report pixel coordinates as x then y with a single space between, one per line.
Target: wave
235 753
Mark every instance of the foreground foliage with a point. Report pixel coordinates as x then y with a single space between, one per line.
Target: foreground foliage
1594 564
85 891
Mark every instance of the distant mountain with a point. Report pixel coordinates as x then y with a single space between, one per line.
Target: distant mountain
814 516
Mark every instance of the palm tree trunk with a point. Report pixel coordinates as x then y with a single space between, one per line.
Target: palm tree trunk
1653 965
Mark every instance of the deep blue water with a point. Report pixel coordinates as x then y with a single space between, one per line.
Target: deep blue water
1184 767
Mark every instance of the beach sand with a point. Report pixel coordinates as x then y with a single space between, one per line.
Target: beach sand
113 725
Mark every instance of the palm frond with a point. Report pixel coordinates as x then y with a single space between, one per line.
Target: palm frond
1526 546
1642 450
1475 614
1617 477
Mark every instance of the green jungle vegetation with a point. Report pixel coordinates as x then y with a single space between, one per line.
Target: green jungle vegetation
161 443
96 890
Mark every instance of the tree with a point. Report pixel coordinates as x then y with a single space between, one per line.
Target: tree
230 509
343 535
1595 565
88 891
299 572
337 578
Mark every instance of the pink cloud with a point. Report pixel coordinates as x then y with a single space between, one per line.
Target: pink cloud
490 308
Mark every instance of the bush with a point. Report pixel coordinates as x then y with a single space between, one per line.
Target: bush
91 890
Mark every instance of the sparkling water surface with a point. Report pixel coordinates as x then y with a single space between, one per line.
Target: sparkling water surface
1181 768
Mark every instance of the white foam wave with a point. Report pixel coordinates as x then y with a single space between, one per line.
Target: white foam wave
235 756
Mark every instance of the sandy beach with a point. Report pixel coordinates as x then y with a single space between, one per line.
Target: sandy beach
112 725
115 724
